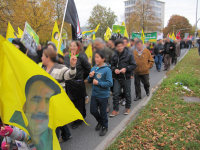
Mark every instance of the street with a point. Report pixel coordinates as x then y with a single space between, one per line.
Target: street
85 137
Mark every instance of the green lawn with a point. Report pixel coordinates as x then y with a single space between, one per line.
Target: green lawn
167 121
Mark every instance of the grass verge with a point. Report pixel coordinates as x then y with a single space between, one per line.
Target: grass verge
167 121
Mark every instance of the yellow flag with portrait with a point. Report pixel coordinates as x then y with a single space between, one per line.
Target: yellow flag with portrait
31 99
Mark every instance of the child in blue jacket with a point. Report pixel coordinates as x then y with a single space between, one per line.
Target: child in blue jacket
101 79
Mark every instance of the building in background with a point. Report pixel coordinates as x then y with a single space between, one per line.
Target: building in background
158 7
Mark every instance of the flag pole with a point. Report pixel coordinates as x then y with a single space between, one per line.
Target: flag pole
62 25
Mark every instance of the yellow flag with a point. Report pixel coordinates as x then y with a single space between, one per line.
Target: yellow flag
91 31
89 53
55 38
107 35
170 36
97 28
142 36
11 34
126 33
93 37
20 33
173 37
31 99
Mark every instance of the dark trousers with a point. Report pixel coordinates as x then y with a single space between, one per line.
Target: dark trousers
65 133
168 61
126 85
80 105
102 104
199 49
145 80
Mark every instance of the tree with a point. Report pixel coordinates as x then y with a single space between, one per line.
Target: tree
143 17
106 18
40 14
180 22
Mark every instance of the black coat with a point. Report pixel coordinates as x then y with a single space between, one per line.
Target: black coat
171 51
189 42
125 60
156 51
75 88
198 41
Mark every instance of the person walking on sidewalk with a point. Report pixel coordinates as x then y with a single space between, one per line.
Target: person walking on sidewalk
122 64
75 88
158 52
169 50
144 62
101 79
198 41
177 51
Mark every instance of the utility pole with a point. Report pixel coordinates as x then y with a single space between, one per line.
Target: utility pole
196 25
173 28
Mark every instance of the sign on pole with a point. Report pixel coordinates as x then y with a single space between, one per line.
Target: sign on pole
30 39
149 37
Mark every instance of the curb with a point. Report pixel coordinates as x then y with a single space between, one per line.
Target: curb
123 124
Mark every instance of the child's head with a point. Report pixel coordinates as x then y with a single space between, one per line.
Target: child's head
100 57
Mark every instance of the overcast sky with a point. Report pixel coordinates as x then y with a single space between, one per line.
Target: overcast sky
185 8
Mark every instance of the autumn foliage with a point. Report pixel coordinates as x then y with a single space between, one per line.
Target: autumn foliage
180 22
40 14
143 17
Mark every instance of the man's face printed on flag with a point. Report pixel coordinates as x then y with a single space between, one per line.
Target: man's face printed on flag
38 94
37 106
56 36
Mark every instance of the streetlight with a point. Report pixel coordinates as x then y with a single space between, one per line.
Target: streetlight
173 28
182 29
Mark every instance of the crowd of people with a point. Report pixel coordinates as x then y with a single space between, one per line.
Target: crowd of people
114 65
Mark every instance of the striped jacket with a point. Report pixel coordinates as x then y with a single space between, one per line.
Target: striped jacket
61 73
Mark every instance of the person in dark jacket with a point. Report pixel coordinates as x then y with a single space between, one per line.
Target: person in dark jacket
198 41
182 44
189 43
158 52
75 88
99 45
169 51
122 65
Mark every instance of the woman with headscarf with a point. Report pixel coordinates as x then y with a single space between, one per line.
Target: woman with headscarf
75 88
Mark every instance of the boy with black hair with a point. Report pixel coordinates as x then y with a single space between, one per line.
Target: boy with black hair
101 79
122 65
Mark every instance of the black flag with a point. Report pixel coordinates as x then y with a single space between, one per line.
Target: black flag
71 16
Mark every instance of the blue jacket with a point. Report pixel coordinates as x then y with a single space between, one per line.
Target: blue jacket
104 77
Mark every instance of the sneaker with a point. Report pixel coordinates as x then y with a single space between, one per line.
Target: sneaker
103 131
120 100
127 112
87 100
114 113
61 140
124 102
98 127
